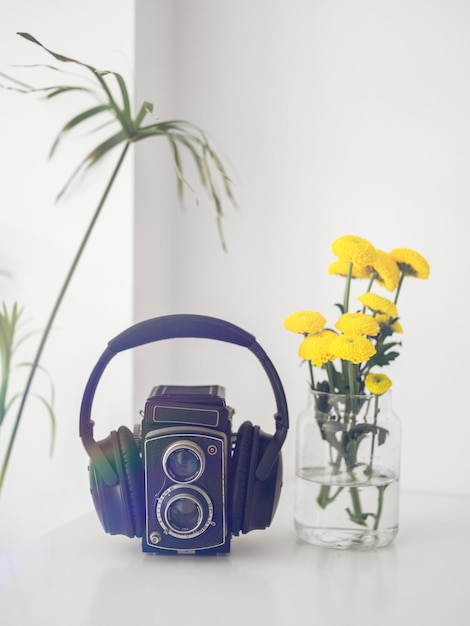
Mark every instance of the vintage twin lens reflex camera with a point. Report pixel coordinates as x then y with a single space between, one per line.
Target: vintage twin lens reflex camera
186 437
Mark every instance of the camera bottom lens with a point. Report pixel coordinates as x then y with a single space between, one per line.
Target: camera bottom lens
184 512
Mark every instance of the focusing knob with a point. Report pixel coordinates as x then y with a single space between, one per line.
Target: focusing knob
137 432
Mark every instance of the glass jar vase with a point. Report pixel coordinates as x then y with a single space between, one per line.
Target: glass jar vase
347 471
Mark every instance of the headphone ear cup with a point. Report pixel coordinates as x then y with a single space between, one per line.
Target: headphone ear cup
241 464
133 478
253 501
119 505
262 496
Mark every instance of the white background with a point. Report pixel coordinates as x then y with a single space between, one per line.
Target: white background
337 118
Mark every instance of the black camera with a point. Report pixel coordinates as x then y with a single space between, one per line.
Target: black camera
186 452
186 483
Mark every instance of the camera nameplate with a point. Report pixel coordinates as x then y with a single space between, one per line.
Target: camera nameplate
181 415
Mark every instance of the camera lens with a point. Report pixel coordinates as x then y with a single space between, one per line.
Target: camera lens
184 515
183 461
184 512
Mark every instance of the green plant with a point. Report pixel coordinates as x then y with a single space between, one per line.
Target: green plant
111 106
10 342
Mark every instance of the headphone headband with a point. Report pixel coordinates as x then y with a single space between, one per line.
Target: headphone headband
183 326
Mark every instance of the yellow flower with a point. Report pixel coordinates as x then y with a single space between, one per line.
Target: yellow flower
378 304
384 319
341 268
316 348
354 348
411 263
386 269
354 249
358 324
305 322
377 383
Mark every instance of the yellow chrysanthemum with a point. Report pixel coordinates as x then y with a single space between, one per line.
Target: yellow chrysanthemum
305 322
354 348
377 383
316 348
341 268
386 270
411 263
378 304
354 249
385 319
358 324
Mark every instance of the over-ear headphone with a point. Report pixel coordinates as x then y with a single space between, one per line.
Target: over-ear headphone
116 473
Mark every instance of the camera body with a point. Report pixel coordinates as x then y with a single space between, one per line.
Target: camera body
186 439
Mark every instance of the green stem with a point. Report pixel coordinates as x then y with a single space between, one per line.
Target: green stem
351 380
347 289
369 287
371 282
330 370
400 283
380 505
312 379
324 498
372 447
52 316
358 516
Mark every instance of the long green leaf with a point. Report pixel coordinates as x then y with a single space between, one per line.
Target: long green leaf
125 100
75 121
92 157
8 326
179 172
53 92
98 74
105 147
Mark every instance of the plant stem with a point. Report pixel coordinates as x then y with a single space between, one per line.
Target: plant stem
324 498
380 505
371 282
312 379
347 289
372 447
351 380
358 516
52 316
400 283
369 287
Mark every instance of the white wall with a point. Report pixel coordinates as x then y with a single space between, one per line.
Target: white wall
38 241
154 193
339 117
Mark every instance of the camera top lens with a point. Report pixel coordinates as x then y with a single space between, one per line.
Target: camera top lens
183 461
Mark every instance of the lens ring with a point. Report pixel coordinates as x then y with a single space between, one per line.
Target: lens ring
184 512
183 461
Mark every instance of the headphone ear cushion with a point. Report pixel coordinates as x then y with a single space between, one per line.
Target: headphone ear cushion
133 478
262 496
118 505
241 465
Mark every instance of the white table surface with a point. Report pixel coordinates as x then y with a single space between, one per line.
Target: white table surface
78 575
